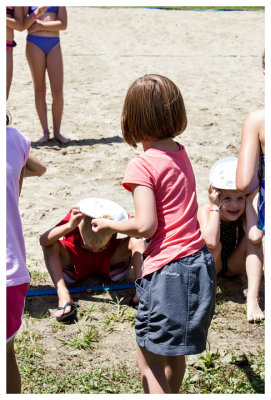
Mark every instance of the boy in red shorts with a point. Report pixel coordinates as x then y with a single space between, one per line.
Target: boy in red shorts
72 251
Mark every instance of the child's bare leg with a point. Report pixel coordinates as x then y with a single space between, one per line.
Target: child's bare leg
237 260
254 268
130 247
137 247
152 369
175 370
55 256
13 374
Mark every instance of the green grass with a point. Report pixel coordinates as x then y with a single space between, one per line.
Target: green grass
121 313
235 8
209 372
37 276
225 373
85 339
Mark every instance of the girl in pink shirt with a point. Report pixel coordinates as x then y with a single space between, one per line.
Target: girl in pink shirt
19 164
177 289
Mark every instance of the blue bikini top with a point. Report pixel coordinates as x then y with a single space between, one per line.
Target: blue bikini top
31 9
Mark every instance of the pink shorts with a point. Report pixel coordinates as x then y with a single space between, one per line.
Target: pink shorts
15 307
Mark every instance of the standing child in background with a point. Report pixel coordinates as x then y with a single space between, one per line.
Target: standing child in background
72 251
19 163
228 225
14 20
177 289
250 175
43 53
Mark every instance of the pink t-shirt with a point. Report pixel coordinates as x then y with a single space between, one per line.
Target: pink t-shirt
170 175
18 147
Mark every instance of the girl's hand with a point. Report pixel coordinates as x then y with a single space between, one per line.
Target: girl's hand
76 217
36 26
39 11
100 224
214 195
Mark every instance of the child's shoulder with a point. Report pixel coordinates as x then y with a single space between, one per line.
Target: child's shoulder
256 117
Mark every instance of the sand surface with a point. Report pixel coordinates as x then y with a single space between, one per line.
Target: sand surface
215 59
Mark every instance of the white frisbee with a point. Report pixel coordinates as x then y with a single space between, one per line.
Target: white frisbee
223 173
97 207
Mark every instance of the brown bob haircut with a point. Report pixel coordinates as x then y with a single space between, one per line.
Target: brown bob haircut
153 110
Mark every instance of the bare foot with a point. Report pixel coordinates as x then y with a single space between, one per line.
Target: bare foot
62 300
61 139
254 313
45 138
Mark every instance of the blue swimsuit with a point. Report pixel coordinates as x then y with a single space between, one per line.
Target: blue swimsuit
31 9
261 199
45 43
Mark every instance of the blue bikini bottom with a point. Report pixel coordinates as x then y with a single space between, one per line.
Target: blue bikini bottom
45 43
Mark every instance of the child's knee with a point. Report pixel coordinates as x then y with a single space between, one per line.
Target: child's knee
255 240
51 248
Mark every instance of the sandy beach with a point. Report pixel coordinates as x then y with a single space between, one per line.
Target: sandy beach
214 58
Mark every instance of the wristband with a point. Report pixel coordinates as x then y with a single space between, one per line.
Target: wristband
33 15
214 209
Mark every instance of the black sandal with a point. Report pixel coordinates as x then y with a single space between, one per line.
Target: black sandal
71 315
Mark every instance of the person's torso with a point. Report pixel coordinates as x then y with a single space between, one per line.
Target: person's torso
170 176
49 15
231 235
17 147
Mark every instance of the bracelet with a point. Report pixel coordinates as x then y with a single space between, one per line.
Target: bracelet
214 209
33 15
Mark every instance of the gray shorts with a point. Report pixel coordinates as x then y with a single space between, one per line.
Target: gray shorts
176 305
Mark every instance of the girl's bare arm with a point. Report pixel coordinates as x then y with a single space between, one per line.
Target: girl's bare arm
55 233
29 20
247 168
59 24
209 219
17 21
145 222
34 167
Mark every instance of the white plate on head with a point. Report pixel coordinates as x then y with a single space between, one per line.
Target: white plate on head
97 207
222 174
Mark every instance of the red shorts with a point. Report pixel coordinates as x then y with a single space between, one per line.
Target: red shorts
87 262
15 307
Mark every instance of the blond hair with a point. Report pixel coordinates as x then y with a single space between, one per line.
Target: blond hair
92 239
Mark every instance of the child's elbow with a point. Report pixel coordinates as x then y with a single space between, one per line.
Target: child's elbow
42 170
43 241
242 187
147 231
212 244
64 26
